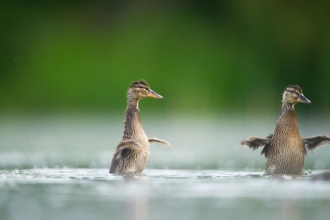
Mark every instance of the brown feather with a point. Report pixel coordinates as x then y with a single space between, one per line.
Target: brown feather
255 142
155 140
285 150
312 143
132 152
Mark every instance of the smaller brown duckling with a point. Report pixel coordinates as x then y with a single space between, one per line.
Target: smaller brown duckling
132 152
285 150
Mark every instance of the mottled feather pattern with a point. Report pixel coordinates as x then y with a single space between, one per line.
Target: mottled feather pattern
294 88
286 150
132 126
131 159
132 152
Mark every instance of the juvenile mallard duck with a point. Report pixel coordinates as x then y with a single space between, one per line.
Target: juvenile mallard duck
132 152
285 150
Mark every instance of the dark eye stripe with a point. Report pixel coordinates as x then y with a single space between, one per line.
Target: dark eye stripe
140 87
293 92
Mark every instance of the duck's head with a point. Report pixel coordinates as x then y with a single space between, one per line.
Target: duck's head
293 95
140 89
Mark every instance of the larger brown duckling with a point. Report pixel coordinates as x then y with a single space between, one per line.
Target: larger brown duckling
285 150
132 152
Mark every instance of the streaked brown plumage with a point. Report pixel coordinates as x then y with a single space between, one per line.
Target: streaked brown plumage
132 152
285 150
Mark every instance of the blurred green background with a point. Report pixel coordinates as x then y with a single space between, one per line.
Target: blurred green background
65 67
204 57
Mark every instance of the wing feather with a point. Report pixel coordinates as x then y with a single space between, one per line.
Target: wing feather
256 142
312 143
154 140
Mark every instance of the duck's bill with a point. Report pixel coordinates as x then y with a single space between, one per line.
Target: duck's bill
303 99
152 94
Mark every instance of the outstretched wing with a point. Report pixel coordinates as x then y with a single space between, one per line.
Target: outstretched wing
313 142
124 144
256 142
158 141
128 144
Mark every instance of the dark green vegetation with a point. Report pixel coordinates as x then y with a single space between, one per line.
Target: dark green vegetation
203 57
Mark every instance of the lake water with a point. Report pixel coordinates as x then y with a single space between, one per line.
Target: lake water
160 194
56 167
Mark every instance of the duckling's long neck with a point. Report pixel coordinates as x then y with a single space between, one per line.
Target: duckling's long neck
287 123
287 107
132 125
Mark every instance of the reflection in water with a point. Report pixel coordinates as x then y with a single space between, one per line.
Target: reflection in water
290 209
138 204
290 205
284 176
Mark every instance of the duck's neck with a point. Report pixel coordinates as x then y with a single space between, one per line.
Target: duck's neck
286 107
132 119
287 123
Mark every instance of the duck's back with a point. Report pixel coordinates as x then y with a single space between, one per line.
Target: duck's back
286 151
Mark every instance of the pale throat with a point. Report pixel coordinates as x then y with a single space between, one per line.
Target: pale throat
287 106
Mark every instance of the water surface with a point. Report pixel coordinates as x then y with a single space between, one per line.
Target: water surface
57 168
160 194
